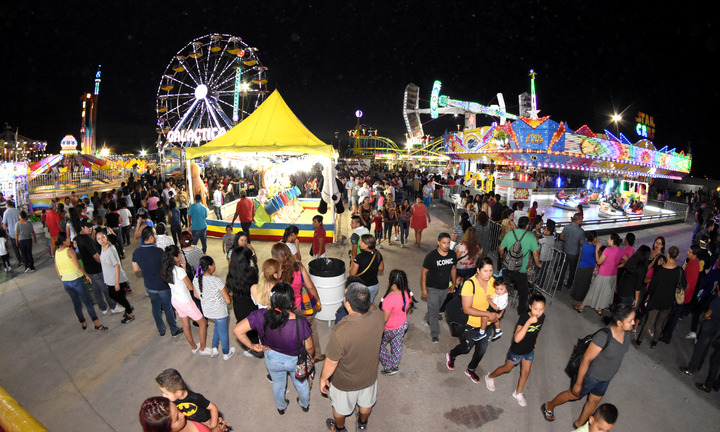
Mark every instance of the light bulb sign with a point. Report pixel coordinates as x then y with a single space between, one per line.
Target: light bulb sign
645 125
195 135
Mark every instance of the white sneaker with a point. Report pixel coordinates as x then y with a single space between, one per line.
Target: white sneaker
691 335
117 309
196 349
490 383
229 354
247 353
520 398
105 312
206 352
214 353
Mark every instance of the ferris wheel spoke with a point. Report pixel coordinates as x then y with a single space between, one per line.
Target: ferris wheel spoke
190 72
187 114
223 75
213 113
172 78
221 113
189 96
218 61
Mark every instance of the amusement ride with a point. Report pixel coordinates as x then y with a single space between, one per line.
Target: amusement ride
209 86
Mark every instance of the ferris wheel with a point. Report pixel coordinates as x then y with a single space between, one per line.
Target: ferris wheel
209 86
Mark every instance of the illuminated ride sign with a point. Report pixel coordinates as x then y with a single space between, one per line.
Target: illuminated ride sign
195 135
645 126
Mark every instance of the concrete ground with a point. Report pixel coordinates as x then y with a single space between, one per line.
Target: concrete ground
74 380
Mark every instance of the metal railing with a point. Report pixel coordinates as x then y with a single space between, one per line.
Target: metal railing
549 278
51 179
678 207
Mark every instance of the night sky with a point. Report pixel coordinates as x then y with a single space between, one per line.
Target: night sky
328 59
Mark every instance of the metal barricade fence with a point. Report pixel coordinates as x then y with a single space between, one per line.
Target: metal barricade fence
492 242
679 208
550 276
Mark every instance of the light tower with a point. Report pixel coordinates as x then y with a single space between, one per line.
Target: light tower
89 117
533 111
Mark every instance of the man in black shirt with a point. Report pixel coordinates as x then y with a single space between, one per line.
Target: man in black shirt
90 254
439 271
496 209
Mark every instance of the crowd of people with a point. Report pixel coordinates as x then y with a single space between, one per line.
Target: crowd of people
635 289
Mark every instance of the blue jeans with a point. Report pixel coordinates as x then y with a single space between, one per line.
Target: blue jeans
160 299
78 295
373 291
279 365
101 290
200 235
404 231
220 334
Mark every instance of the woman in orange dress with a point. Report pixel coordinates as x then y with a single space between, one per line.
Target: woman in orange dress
418 221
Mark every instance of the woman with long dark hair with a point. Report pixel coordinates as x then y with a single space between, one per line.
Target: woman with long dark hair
242 239
295 274
632 282
71 274
482 231
395 304
242 274
282 332
114 275
215 300
405 214
173 273
601 361
468 252
72 229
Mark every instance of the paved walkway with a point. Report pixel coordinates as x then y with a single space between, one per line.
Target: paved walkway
72 380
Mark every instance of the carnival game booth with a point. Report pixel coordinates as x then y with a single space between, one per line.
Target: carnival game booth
545 146
274 141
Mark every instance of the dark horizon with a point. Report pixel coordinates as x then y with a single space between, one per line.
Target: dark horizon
328 60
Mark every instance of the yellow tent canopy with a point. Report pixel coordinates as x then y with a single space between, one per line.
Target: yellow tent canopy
271 128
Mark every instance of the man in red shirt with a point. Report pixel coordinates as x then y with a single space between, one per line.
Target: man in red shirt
319 237
52 220
692 272
245 211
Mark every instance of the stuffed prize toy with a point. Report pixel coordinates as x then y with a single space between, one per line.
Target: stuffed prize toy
331 192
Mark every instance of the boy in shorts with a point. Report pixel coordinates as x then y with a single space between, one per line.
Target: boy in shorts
193 405
227 240
498 303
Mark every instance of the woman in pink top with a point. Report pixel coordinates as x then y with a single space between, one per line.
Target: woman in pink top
395 305
600 295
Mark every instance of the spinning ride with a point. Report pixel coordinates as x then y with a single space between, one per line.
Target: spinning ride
209 86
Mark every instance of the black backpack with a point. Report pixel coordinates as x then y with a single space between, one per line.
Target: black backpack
454 310
573 365
514 256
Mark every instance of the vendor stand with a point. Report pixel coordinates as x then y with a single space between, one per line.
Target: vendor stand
276 142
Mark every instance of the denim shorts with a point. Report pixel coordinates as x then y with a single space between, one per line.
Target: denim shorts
517 358
593 386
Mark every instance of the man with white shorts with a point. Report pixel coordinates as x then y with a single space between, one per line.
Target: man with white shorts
352 357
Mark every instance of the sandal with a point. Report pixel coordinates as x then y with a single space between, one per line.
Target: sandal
101 328
319 358
84 326
578 308
549 415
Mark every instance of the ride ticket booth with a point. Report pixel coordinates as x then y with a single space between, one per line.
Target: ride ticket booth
514 187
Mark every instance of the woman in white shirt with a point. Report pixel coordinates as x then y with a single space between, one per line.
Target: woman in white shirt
114 276
173 273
